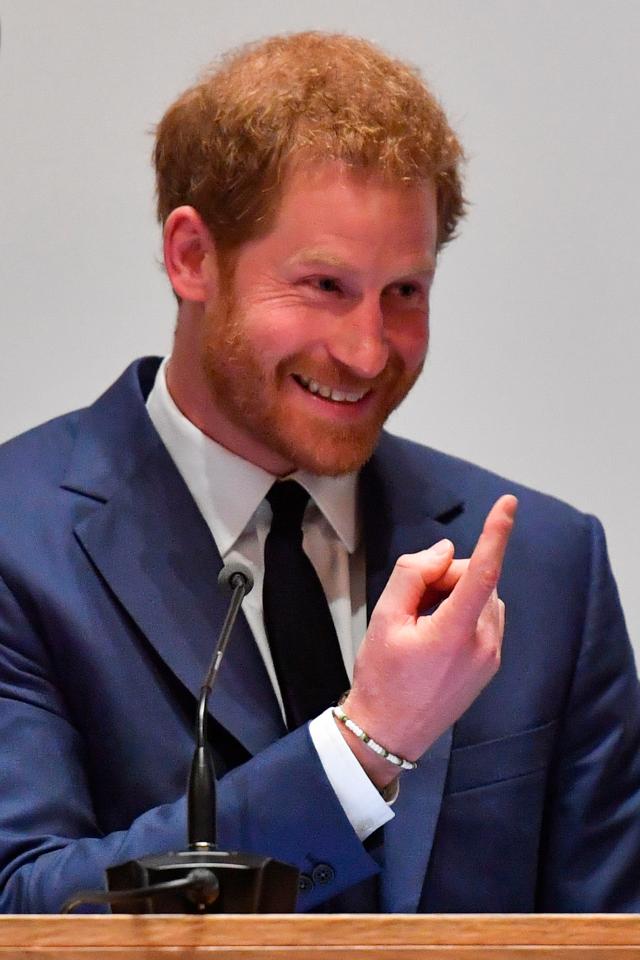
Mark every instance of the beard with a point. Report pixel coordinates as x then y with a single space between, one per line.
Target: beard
258 400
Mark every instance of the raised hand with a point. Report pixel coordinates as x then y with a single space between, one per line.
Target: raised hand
416 674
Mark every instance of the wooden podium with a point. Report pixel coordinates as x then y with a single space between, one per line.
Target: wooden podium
337 937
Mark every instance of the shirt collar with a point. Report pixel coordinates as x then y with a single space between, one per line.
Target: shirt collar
227 489
335 497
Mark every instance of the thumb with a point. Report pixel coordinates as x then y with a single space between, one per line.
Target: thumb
411 576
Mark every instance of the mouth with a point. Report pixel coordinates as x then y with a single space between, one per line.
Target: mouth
329 393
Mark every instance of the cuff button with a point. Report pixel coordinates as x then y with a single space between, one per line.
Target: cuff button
305 883
322 874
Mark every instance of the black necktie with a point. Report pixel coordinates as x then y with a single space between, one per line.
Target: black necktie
301 634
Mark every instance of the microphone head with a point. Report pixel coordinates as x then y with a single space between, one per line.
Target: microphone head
234 574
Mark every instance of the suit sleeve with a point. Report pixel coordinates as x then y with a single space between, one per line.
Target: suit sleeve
590 856
279 803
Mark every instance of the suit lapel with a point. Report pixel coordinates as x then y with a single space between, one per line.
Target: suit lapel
150 543
404 513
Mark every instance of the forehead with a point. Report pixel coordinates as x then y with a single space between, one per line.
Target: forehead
325 205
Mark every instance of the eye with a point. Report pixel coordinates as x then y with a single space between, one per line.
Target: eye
325 284
406 290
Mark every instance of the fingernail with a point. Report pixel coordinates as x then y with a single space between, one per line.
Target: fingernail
442 547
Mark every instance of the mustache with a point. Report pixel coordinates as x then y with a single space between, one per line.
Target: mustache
340 377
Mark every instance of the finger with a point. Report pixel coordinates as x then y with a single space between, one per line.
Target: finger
501 609
436 592
490 608
450 577
411 576
488 636
489 619
460 612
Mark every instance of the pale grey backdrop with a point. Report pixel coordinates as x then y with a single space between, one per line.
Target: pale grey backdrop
535 332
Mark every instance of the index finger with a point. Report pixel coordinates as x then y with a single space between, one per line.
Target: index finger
459 613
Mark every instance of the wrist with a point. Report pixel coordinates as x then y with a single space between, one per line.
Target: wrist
396 728
379 771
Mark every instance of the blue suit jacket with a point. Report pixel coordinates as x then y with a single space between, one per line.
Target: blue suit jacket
108 612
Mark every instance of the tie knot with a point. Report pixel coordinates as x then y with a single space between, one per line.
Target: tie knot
288 502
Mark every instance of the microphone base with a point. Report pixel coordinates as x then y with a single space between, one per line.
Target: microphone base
241 883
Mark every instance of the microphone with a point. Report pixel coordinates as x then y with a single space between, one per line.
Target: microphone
233 574
201 790
201 879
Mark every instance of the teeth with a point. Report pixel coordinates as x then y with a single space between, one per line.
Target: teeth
338 396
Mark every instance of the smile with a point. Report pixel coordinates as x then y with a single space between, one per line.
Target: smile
327 393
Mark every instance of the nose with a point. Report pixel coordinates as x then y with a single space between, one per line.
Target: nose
359 342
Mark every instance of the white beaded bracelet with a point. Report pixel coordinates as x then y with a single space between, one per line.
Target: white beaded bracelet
377 748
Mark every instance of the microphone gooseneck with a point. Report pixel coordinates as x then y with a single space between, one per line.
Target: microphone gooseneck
201 791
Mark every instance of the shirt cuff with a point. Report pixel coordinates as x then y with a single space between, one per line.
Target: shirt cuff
362 803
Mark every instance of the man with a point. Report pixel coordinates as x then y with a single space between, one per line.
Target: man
305 188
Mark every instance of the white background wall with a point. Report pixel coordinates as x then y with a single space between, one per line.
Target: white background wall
535 321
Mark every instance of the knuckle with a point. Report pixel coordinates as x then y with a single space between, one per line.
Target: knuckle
380 624
413 561
488 576
406 560
491 651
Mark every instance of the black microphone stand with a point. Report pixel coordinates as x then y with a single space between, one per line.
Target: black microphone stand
201 879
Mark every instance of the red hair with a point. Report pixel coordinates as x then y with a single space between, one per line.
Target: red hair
225 145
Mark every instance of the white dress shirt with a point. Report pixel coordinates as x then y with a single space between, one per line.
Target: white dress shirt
230 493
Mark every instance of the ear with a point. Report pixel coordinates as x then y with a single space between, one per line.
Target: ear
189 255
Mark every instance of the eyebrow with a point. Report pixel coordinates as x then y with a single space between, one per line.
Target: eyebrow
318 257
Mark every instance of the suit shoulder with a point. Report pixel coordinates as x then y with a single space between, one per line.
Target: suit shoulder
41 457
476 486
38 455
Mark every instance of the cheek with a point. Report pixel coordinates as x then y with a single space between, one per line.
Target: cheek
410 340
281 330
